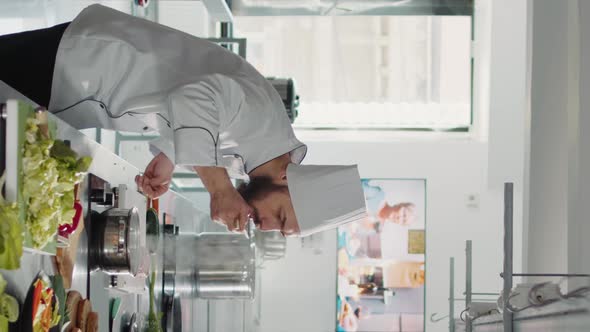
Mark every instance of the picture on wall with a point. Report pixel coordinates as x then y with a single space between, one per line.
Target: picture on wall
381 260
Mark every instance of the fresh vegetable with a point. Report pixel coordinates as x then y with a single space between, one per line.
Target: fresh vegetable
37 292
45 312
9 308
57 283
65 230
50 171
11 233
153 318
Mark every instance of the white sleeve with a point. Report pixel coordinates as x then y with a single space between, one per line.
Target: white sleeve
195 112
163 144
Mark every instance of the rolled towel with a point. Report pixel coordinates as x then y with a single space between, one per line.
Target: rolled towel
544 293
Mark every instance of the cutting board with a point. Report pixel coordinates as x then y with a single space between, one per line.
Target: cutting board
17 113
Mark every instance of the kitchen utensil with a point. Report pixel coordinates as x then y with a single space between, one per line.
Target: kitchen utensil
115 246
169 260
250 227
59 291
152 225
215 266
172 318
169 275
132 325
66 327
286 89
114 305
223 288
177 314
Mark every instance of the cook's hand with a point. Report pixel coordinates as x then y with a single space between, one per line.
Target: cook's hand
229 208
155 181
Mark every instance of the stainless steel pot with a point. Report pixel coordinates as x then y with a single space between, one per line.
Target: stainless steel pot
114 246
224 288
215 266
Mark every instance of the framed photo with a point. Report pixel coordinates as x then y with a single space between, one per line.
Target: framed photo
381 260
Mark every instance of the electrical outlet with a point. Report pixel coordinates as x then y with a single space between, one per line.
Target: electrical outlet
472 201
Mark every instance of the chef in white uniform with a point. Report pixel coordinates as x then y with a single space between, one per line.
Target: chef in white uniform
214 112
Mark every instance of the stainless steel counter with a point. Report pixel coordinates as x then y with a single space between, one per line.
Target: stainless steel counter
178 210
116 171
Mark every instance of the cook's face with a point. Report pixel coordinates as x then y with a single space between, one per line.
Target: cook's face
275 212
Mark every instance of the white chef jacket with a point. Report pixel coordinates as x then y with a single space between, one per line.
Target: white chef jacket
210 106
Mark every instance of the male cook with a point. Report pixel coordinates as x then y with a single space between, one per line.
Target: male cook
214 112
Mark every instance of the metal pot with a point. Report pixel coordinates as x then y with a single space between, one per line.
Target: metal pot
114 246
215 266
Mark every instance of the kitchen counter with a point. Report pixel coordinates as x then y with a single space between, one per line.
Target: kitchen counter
96 285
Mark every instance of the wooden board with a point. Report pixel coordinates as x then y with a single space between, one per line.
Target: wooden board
16 122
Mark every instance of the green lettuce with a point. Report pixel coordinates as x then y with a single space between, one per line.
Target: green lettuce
50 171
11 234
9 308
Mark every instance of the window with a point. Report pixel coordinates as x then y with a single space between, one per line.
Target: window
368 71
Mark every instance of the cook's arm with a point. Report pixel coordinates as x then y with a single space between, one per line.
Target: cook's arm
202 115
227 205
197 115
195 122
194 119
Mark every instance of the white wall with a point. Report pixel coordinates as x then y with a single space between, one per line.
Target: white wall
453 169
550 93
508 117
560 157
581 209
454 166
298 292
558 226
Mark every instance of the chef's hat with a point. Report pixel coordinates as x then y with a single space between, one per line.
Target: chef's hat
325 197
